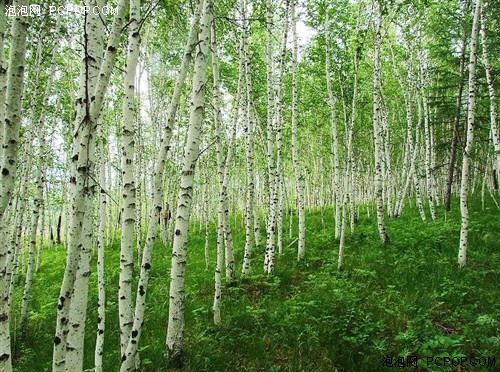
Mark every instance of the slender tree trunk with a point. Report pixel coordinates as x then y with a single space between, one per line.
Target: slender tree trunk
101 284
249 145
129 218
249 150
175 330
221 172
386 160
456 124
409 160
11 125
343 228
38 200
428 149
299 177
271 221
334 136
464 228
157 197
492 94
72 303
16 242
279 136
351 165
59 228
377 128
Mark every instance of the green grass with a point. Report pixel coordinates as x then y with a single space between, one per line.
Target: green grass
407 298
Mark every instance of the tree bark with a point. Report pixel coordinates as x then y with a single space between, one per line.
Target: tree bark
72 303
334 135
3 70
456 124
377 128
428 148
464 186
38 199
175 330
299 176
491 91
129 218
157 197
11 125
249 145
101 242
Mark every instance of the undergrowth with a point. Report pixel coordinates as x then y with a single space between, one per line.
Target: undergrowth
405 299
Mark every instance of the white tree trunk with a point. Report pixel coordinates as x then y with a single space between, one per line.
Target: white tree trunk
11 125
299 177
271 220
128 212
279 137
340 262
246 105
492 94
3 69
334 135
17 219
101 284
377 128
409 161
72 303
428 149
464 228
175 330
157 197
38 199
386 160
222 167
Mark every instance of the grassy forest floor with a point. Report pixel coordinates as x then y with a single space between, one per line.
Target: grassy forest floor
408 298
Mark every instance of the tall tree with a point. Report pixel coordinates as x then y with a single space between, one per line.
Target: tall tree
456 122
246 108
175 330
464 186
299 177
93 83
491 90
271 219
128 211
11 125
377 127
128 360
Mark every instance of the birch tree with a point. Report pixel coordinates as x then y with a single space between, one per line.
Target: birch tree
175 330
271 221
333 133
428 149
11 125
279 135
221 173
39 193
101 230
93 83
464 186
125 300
491 91
128 360
246 107
456 122
377 127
